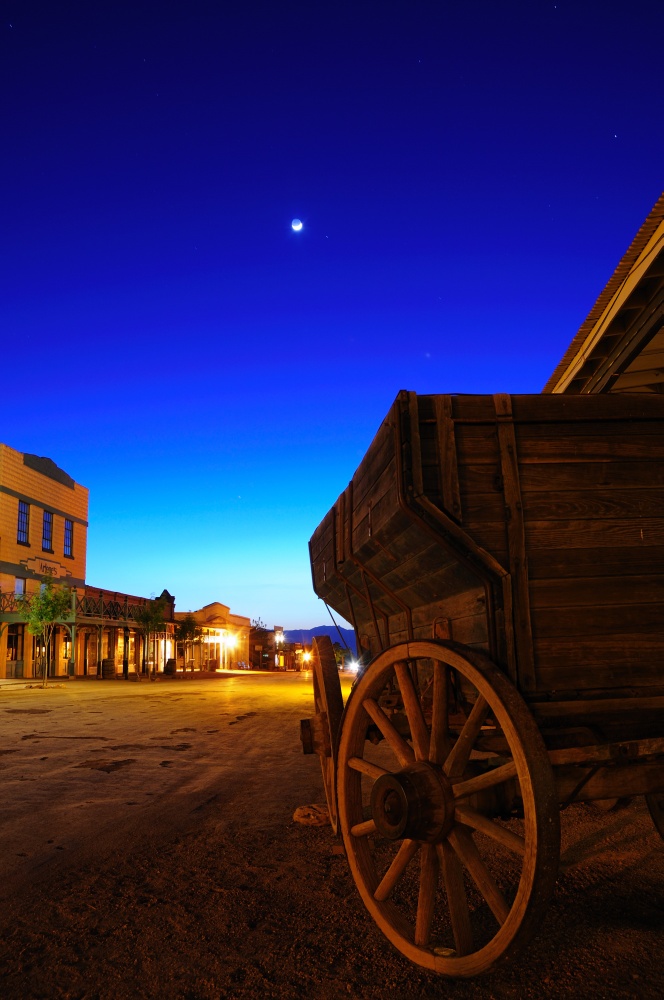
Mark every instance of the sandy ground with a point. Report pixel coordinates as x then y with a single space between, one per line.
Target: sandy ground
148 850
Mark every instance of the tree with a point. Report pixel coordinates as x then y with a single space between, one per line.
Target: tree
150 619
339 654
43 610
188 631
261 638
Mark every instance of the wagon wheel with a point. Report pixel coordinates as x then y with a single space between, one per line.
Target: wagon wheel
439 793
328 700
655 802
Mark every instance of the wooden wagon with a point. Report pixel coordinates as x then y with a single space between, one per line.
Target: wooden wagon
500 558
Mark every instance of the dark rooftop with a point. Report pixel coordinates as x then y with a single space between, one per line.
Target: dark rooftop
47 467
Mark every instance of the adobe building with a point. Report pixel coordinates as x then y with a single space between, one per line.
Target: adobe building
222 642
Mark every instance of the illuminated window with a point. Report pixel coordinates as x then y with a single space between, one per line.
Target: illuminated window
69 538
47 532
19 585
22 534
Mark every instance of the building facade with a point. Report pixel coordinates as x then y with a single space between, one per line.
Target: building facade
43 523
43 534
221 642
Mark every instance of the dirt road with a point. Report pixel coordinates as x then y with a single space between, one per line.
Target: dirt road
148 850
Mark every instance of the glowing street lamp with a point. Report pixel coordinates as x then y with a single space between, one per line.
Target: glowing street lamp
278 642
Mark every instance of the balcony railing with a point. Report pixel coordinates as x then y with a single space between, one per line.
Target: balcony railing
106 606
117 609
11 604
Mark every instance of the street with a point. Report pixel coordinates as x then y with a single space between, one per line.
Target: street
149 850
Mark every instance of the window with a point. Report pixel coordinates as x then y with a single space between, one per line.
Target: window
47 532
23 532
69 538
19 585
15 643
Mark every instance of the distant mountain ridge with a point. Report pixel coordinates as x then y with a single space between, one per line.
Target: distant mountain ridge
305 635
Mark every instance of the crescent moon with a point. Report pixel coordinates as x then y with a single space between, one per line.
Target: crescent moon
296 225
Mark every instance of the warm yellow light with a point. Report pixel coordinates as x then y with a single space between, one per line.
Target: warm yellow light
306 657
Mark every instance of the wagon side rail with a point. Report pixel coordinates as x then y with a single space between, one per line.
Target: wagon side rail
609 770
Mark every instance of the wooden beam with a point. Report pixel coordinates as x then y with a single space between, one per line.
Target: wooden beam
516 539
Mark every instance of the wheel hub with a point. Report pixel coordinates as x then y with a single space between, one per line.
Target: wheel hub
416 803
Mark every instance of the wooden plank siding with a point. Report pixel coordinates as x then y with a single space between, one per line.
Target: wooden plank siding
593 503
555 501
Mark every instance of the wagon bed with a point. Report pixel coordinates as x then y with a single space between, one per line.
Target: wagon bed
500 559
528 526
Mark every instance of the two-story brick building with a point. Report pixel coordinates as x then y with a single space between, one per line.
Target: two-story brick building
43 532
43 523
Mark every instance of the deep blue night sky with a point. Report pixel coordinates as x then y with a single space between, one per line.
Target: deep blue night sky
468 176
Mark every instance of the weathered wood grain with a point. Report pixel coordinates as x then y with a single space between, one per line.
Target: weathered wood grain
598 591
599 661
537 408
547 563
609 532
447 456
516 541
377 457
556 505
589 621
609 782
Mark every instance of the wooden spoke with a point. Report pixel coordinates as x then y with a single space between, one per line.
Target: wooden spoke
469 817
457 902
403 750
455 764
496 776
411 703
466 849
366 767
402 859
363 829
427 894
439 745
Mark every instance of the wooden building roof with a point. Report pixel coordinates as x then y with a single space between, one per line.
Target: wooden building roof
620 346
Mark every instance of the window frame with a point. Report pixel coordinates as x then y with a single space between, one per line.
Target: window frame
47 536
15 642
68 545
23 523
